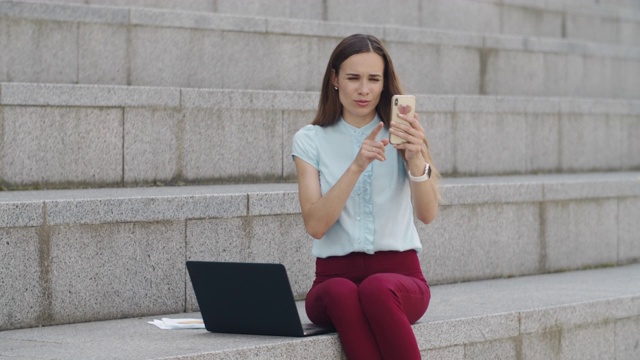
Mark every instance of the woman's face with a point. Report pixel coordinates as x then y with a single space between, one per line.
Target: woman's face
360 82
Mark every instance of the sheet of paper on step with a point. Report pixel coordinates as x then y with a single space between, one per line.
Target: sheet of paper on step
173 324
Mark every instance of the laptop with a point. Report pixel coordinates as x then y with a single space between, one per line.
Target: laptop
247 298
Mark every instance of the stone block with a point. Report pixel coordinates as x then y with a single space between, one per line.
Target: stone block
591 27
472 16
595 341
102 54
563 74
451 353
459 71
414 65
405 13
513 72
274 203
624 73
542 346
181 5
628 230
152 145
473 242
58 145
414 62
273 8
88 95
232 144
116 270
542 142
490 143
462 330
23 296
136 206
630 146
629 32
279 53
499 349
531 21
307 9
583 139
580 234
21 213
38 51
188 58
627 338
597 77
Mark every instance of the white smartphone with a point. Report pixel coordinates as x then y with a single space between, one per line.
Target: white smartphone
401 104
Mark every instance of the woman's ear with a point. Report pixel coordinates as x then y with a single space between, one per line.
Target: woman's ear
334 78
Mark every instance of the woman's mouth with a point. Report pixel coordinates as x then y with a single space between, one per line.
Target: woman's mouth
362 103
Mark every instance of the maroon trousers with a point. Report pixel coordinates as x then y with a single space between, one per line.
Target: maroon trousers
371 300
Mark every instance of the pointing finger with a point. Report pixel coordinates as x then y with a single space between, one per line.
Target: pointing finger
375 131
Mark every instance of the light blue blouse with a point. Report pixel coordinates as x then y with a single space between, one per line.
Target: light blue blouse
378 215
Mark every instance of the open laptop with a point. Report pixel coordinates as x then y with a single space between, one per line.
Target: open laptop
247 298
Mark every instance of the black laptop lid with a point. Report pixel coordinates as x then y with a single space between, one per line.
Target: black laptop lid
245 298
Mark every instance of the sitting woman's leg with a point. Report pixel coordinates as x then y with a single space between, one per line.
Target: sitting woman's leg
391 303
335 302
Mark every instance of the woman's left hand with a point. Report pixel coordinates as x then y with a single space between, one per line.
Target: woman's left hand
413 133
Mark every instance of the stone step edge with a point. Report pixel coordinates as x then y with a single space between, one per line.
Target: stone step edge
487 311
609 10
97 206
604 11
211 21
73 95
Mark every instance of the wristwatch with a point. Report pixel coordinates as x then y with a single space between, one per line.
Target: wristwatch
423 177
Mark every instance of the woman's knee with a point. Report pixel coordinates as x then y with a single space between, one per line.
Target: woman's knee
377 286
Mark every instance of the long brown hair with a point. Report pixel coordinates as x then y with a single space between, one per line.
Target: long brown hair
329 106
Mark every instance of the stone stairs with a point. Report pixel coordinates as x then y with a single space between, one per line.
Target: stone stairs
125 126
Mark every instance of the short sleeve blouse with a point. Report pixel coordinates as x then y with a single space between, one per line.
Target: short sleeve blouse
378 215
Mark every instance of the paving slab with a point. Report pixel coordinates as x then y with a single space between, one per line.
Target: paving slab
484 316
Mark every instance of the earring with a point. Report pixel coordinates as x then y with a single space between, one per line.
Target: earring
335 87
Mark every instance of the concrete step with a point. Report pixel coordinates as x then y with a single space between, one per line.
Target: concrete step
610 22
85 255
591 314
65 136
53 43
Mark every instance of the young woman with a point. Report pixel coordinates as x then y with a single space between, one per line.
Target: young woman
358 196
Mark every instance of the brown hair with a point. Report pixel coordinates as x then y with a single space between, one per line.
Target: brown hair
329 107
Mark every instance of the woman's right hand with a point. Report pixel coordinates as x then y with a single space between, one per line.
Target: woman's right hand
371 149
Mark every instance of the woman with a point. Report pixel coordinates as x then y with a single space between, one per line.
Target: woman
358 196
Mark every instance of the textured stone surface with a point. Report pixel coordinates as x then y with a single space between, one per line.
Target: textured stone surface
62 145
153 140
221 47
481 141
219 144
495 241
628 230
23 298
580 233
116 270
462 317
627 337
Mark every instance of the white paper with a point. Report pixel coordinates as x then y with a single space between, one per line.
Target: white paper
173 324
